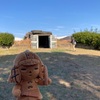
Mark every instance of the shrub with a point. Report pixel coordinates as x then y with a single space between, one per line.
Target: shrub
89 38
6 39
96 41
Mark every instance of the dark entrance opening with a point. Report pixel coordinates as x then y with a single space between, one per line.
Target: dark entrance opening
44 42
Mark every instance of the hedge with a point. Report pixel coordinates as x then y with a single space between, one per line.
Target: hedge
88 38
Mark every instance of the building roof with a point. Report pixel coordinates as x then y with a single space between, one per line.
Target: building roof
40 32
37 32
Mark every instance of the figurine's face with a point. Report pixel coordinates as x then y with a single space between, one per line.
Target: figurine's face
29 72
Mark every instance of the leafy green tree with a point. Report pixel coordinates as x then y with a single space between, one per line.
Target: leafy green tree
6 39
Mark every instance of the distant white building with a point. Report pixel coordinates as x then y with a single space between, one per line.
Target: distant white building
61 37
18 39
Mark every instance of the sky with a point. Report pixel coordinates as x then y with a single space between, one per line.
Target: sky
61 17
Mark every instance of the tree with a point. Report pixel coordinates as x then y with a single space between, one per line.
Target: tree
6 39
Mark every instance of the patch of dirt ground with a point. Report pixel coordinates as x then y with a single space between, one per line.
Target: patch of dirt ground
75 75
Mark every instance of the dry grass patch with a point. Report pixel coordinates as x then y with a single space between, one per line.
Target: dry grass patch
75 75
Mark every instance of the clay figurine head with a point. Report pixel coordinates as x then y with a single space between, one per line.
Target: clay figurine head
27 66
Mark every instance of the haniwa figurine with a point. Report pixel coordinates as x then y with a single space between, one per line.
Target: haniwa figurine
27 73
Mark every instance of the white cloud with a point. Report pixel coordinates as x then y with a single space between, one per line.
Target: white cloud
60 27
56 29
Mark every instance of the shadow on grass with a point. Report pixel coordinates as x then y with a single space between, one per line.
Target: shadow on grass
86 47
75 77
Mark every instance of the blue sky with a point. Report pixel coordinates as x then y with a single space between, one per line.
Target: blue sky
61 17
